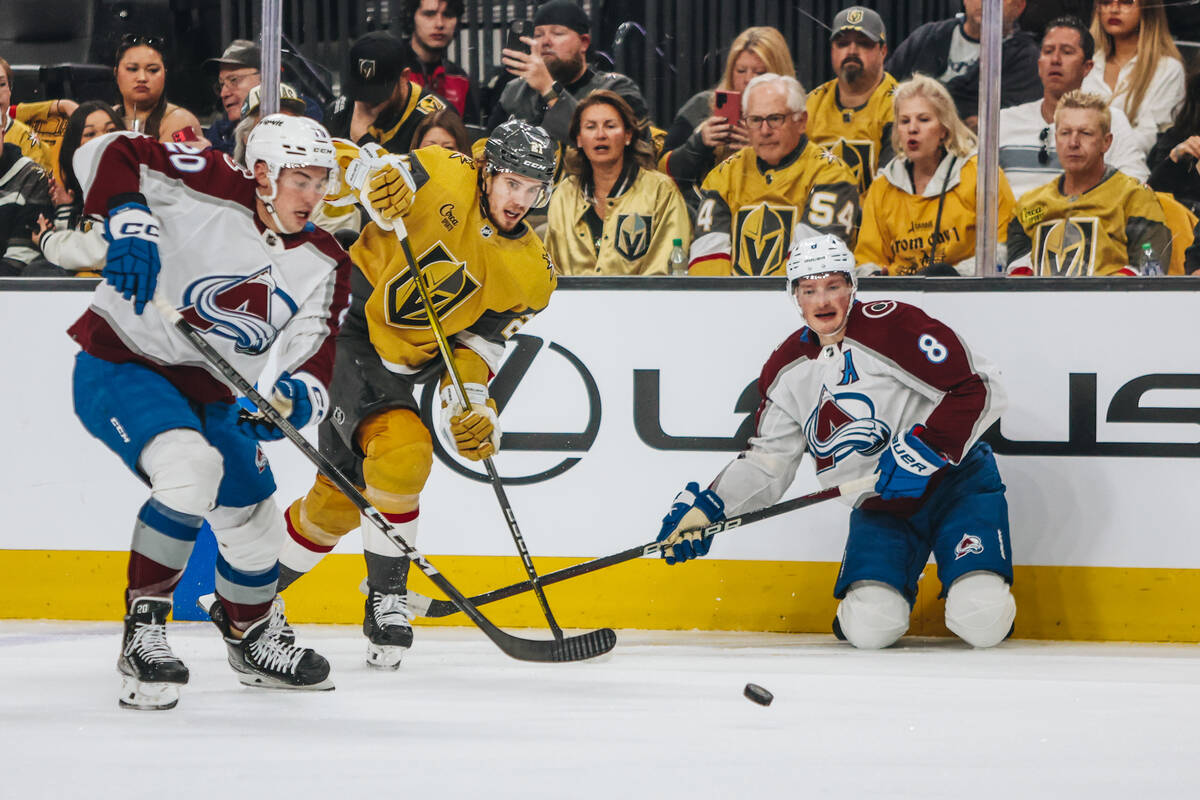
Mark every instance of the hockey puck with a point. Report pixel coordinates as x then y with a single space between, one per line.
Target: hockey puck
758 694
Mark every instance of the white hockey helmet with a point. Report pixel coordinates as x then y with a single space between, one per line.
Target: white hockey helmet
281 141
819 255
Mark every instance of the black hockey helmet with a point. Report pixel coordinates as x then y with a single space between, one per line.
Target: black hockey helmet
516 146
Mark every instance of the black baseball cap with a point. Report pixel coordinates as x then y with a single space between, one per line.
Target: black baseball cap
563 12
376 62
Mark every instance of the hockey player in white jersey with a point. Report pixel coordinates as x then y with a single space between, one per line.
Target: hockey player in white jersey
234 251
876 388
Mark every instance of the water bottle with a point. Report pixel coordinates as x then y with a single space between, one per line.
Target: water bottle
678 262
1150 264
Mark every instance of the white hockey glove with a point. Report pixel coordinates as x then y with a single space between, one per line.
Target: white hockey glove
476 432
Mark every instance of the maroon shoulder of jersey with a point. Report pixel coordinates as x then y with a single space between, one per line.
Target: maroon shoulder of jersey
119 171
801 344
321 363
931 352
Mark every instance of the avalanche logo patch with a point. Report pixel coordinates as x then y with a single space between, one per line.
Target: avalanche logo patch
843 424
236 307
969 543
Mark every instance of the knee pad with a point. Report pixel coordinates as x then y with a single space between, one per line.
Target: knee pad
980 608
185 471
324 515
873 615
249 537
398 450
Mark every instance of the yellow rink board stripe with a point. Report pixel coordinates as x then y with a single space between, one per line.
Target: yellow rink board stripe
1081 603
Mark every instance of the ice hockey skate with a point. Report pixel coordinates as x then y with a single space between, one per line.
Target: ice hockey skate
151 673
387 628
267 655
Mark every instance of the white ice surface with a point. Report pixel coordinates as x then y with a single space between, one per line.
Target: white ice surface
663 717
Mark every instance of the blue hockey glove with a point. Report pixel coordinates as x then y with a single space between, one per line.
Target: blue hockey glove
298 400
691 511
132 264
907 465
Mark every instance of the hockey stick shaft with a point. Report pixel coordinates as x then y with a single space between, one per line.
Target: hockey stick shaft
443 343
574 648
431 607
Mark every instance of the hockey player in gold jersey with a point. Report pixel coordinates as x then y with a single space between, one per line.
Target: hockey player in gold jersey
1092 219
851 115
487 273
753 202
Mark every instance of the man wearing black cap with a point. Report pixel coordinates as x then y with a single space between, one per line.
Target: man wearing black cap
379 103
852 114
237 74
555 76
949 51
433 24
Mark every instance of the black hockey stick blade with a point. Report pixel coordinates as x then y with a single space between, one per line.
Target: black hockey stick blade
572 648
431 607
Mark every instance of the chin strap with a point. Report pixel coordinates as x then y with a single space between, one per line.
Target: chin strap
268 202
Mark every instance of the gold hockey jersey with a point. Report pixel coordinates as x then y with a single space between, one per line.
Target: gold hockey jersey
644 214
862 136
749 211
897 233
1100 232
49 128
24 137
484 284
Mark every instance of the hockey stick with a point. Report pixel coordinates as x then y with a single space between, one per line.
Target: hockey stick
443 343
573 648
430 607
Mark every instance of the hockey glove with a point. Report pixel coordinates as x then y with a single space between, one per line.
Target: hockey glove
907 465
683 526
132 264
476 432
301 399
389 190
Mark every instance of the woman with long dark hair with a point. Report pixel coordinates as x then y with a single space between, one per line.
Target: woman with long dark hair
141 77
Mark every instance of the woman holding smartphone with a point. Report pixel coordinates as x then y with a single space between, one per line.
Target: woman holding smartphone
707 130
613 213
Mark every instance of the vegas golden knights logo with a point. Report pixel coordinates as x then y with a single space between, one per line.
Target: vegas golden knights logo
763 235
858 156
1065 247
633 236
447 281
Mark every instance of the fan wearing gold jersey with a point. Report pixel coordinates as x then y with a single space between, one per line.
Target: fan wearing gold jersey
782 185
851 115
487 273
1092 219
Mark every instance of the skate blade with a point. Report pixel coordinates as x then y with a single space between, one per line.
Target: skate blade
260 682
383 656
146 696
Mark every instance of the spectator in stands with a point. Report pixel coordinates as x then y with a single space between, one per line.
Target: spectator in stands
613 213
781 186
141 78
444 128
1027 153
1092 219
919 214
379 102
555 76
18 132
237 74
24 195
1176 154
71 241
1037 15
949 51
851 115
699 139
433 24
1138 68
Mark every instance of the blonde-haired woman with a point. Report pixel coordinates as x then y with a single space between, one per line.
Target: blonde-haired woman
1137 67
699 139
919 214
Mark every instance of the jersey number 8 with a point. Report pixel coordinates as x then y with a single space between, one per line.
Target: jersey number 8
934 350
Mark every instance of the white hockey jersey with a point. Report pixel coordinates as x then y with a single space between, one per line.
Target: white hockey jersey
266 302
896 367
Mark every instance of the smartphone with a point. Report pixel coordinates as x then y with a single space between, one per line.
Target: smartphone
728 105
516 29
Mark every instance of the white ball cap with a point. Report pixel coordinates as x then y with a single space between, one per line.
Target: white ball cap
819 255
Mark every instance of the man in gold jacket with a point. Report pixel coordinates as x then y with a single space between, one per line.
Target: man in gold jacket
752 202
487 273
